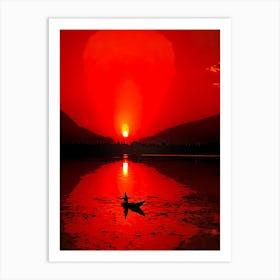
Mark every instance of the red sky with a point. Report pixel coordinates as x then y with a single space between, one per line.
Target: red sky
150 80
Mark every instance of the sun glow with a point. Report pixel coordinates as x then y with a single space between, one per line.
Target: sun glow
125 130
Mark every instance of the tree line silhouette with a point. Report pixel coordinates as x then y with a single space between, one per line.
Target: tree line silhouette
107 149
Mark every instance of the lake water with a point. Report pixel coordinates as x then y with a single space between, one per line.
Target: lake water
181 209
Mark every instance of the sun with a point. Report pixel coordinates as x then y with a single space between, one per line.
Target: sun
125 134
125 130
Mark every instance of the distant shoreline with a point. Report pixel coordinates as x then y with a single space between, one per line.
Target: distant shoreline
179 155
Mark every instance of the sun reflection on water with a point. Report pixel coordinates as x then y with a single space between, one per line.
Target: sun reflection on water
125 168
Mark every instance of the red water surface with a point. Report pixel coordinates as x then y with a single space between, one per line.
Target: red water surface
93 218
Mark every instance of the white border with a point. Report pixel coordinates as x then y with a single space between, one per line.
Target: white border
55 25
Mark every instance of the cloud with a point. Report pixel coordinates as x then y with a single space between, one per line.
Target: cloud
214 68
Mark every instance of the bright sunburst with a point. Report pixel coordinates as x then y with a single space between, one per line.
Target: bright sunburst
125 130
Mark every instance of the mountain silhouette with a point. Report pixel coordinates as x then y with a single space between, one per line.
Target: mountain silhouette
202 131
72 133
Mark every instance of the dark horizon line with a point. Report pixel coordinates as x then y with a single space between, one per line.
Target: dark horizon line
142 138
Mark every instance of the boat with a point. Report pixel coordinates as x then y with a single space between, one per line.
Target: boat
133 206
